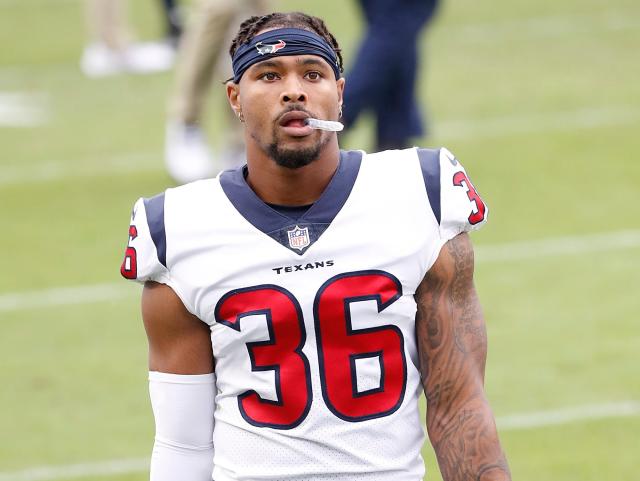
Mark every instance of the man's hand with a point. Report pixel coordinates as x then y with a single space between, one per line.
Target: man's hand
452 344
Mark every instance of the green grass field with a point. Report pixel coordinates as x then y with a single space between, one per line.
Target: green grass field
540 101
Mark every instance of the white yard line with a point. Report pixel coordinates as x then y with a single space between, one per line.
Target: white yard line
514 422
81 470
588 118
547 26
74 295
34 3
94 167
568 415
555 246
64 296
23 109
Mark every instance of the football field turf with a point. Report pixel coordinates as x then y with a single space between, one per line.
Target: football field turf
539 100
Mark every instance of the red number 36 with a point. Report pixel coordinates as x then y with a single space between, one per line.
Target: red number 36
339 345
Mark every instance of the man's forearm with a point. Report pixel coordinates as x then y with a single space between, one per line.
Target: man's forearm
170 462
466 443
183 408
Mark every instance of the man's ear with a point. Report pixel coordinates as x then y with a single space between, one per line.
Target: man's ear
340 85
233 94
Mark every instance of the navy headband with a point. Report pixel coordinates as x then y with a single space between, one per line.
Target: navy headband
279 42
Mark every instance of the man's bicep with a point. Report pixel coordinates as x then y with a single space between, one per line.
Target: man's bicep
450 326
179 342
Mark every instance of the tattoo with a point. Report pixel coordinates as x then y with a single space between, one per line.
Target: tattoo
469 449
452 341
470 335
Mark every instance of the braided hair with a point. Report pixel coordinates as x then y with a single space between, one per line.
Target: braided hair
251 26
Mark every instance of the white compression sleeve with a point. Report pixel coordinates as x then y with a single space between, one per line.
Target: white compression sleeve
183 407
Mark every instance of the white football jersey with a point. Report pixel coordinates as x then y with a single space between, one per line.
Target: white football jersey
312 318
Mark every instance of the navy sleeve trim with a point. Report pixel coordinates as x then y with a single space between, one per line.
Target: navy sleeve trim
154 208
430 165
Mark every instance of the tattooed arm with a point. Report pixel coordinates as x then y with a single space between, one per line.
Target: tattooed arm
453 347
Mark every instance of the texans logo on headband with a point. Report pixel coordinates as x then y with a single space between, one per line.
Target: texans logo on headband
264 49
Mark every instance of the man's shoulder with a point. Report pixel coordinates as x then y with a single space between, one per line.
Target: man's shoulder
188 197
181 202
189 192
391 155
193 190
391 166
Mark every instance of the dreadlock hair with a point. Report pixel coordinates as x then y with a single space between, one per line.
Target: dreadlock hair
251 26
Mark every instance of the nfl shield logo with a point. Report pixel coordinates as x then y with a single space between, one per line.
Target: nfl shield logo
298 238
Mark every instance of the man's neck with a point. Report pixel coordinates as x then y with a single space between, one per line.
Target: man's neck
282 186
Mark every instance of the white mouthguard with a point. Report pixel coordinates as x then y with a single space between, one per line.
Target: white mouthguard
329 125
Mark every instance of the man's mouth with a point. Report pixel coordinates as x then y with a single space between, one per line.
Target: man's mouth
294 123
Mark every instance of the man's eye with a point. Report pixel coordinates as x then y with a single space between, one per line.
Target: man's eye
314 75
270 76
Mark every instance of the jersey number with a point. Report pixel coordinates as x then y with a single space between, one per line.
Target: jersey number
477 215
339 347
129 267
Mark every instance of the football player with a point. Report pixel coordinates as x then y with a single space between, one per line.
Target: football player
297 307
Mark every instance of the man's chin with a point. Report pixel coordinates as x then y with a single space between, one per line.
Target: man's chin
294 157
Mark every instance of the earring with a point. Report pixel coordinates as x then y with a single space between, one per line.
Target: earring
240 116
340 112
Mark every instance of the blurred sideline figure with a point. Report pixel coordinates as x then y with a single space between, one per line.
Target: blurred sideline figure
202 53
111 49
173 21
383 77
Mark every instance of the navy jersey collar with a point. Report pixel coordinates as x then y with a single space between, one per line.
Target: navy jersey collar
278 225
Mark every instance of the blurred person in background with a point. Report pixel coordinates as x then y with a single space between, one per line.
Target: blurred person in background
292 325
203 54
383 77
111 49
173 21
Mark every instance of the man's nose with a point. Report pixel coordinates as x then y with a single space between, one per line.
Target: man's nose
293 91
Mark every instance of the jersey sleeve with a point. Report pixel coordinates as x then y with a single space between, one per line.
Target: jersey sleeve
145 254
454 200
